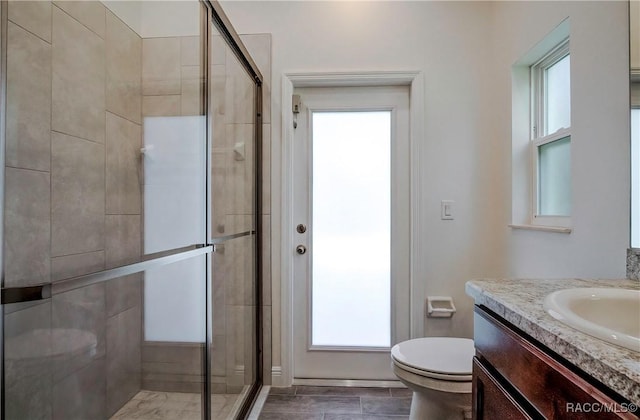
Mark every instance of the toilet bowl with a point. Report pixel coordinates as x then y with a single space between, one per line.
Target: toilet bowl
438 371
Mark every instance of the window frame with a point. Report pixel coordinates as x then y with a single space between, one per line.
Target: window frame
538 119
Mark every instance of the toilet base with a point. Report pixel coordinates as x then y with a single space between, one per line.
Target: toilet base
436 405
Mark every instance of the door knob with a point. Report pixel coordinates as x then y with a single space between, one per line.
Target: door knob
301 249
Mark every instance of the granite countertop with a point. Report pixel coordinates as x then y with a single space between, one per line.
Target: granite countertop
519 301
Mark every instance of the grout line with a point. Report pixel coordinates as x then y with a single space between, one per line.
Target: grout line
102 37
40 171
33 33
79 138
115 114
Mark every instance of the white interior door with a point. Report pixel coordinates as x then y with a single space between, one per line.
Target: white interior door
351 210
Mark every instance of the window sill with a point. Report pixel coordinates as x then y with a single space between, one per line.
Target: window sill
554 229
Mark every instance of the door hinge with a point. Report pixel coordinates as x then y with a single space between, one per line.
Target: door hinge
295 108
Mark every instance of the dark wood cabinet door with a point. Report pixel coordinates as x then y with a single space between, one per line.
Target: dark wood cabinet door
490 400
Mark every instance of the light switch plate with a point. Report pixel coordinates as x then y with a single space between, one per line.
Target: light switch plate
446 209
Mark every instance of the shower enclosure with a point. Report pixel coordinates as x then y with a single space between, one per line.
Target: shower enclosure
130 256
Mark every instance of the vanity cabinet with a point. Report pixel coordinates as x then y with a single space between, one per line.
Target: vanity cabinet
516 378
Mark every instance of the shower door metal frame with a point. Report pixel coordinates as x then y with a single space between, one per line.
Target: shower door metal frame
231 37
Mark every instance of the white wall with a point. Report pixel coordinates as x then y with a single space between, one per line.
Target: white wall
465 51
600 135
458 165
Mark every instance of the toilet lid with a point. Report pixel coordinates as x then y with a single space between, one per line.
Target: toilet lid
447 355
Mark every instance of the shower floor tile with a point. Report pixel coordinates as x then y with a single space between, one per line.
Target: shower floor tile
147 405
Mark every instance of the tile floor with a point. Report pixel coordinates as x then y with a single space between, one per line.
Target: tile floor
147 405
336 403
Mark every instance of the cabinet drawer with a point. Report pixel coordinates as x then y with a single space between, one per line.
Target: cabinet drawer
490 399
552 388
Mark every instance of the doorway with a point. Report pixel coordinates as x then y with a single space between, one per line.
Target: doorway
351 213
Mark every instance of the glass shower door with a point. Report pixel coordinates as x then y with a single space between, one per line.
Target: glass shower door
130 258
234 157
105 210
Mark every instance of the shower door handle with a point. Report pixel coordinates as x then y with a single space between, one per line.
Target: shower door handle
301 249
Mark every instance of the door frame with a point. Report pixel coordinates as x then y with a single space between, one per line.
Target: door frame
283 375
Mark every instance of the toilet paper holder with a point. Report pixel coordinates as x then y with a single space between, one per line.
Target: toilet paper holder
440 307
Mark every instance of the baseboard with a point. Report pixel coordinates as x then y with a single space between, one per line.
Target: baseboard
349 382
277 380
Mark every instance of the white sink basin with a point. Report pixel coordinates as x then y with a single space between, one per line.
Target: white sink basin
610 314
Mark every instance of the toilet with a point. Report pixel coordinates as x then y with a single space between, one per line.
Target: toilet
438 371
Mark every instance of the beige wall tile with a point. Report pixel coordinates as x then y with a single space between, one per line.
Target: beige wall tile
240 179
240 91
221 151
161 106
239 255
218 356
78 79
34 16
27 384
90 13
161 66
82 394
217 97
218 50
190 50
259 47
28 133
236 326
219 282
124 356
266 169
124 70
77 195
220 189
27 227
69 266
123 240
172 367
124 166
190 98
124 293
80 310
190 72
266 259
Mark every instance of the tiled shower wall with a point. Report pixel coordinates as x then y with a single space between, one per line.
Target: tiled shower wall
78 88
171 88
73 206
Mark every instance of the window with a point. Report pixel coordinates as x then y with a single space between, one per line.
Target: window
551 137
